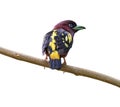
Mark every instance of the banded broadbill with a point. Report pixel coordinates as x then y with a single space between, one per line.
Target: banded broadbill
57 42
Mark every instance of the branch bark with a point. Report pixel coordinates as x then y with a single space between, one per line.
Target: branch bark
66 68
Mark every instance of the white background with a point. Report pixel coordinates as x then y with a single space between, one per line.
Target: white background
23 24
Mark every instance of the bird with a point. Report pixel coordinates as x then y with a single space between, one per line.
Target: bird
58 42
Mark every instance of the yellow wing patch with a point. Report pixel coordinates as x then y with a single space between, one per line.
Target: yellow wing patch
69 37
66 45
54 54
52 43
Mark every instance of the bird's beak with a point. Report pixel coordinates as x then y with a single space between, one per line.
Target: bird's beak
79 28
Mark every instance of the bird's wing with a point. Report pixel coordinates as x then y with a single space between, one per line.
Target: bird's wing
57 40
46 41
64 41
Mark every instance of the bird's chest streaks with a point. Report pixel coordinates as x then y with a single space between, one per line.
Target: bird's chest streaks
60 41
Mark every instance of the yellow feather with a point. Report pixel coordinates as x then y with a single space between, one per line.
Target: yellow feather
62 34
69 37
54 55
54 33
66 44
66 38
52 43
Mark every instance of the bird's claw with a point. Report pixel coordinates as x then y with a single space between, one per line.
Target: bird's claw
64 63
46 59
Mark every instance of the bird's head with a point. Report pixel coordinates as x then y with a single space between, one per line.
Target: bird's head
69 26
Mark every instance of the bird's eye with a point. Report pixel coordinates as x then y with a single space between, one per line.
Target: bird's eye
71 25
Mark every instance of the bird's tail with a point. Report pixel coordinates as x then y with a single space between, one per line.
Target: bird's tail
55 60
55 63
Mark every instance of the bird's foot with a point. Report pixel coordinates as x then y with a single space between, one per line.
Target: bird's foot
46 59
65 63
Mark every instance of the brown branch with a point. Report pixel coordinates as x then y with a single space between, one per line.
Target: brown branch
65 68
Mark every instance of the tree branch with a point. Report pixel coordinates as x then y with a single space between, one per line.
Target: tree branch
66 68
